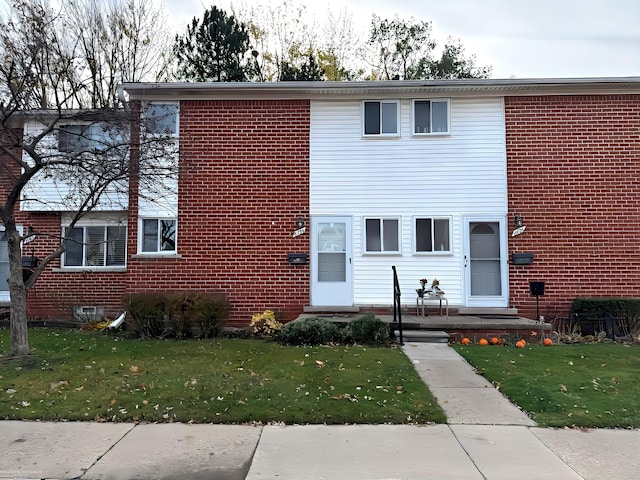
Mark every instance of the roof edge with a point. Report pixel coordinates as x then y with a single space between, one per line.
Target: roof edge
247 90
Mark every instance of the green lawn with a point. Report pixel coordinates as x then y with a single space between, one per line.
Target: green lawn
76 375
589 385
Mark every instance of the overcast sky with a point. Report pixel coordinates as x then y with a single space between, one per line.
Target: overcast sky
518 38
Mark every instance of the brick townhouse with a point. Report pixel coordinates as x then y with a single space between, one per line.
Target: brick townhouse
301 196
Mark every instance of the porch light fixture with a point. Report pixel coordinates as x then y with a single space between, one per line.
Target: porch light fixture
300 222
517 220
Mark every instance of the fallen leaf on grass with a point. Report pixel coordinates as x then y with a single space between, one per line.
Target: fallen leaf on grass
320 363
56 385
299 362
133 369
563 388
79 389
112 402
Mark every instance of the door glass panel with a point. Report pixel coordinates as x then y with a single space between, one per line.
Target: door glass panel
332 243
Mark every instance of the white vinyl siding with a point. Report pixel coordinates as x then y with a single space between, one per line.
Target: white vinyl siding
47 191
408 177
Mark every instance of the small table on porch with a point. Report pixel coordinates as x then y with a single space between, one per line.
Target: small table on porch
420 303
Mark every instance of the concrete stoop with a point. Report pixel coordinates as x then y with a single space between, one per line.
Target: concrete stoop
423 336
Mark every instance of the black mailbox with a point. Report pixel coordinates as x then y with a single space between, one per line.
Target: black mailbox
536 288
522 258
30 262
297 258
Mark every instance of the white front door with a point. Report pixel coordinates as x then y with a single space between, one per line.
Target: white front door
331 274
485 264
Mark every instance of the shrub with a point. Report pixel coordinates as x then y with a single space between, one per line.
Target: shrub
147 313
177 314
615 315
265 323
310 331
368 330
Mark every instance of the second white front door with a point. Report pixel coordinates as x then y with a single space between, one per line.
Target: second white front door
485 263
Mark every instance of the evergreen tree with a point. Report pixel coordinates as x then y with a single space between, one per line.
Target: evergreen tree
213 49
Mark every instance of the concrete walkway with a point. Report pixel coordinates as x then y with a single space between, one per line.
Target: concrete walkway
486 438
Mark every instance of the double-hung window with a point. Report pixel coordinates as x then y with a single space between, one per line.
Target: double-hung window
161 119
95 246
432 235
158 235
381 118
382 235
431 117
83 138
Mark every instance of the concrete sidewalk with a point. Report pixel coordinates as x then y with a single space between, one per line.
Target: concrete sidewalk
487 438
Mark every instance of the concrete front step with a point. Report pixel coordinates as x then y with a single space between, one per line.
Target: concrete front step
424 336
487 311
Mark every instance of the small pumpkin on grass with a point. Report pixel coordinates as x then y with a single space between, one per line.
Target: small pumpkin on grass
483 341
465 341
547 342
495 341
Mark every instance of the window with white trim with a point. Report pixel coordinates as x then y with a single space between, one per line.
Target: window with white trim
432 235
431 117
95 246
92 138
382 235
161 119
158 235
381 118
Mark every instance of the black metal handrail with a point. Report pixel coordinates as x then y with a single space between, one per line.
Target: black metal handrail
397 309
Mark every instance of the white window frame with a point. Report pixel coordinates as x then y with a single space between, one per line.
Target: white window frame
396 134
433 251
382 250
95 137
156 134
95 224
158 251
431 101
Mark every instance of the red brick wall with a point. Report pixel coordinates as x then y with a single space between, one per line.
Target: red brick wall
574 176
244 180
56 292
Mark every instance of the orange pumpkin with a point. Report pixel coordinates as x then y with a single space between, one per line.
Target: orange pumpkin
547 342
465 341
494 341
483 341
520 343
523 341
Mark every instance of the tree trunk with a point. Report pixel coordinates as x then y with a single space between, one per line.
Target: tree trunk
18 292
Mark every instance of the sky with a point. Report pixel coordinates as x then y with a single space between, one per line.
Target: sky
517 38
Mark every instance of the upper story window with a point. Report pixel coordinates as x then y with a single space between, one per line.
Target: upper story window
78 138
431 117
432 235
95 246
381 118
158 235
161 119
382 235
